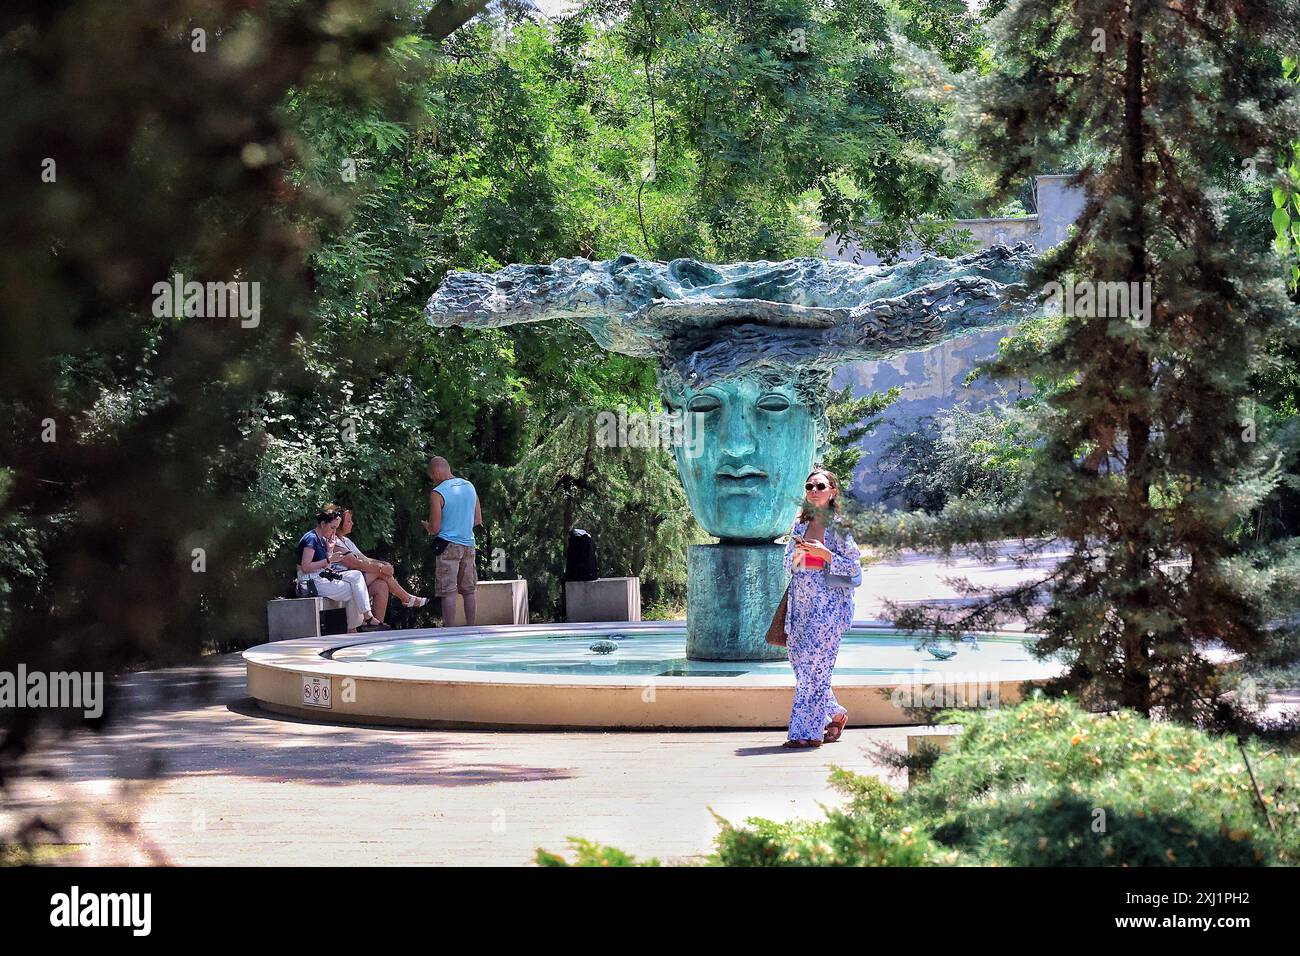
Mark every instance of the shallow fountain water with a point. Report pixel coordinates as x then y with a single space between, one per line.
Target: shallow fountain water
662 653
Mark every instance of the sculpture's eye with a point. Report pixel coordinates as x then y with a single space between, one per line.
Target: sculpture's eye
670 407
774 402
705 403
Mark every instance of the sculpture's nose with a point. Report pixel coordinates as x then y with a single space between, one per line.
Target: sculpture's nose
738 432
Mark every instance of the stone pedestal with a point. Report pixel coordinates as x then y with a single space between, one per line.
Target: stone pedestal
498 602
291 618
732 591
605 599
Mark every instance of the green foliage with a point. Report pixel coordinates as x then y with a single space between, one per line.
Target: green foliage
1286 196
870 831
23 570
950 28
587 853
767 117
507 156
1024 786
630 499
852 419
1046 783
179 166
958 454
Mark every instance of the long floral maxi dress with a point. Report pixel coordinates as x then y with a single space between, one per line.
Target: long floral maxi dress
818 614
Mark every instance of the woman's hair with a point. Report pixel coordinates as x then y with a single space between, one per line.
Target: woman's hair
328 513
805 512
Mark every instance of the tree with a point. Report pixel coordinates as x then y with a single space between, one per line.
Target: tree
769 113
1150 460
627 495
851 420
146 141
444 17
956 454
514 151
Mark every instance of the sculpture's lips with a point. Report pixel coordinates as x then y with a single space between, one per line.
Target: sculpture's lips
740 479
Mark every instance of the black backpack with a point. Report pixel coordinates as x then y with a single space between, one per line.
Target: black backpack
580 557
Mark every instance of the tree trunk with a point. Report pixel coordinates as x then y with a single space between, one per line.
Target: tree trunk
1135 688
445 17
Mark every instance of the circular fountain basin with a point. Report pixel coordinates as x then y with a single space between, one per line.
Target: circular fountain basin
562 676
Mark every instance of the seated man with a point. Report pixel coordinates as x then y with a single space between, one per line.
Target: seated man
380 579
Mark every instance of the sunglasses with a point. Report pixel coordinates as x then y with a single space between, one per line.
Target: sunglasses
820 486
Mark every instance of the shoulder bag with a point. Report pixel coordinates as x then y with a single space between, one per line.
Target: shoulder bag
776 630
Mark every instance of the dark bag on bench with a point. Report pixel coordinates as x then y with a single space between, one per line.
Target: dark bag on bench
580 557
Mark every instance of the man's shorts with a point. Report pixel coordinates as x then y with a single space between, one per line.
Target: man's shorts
456 570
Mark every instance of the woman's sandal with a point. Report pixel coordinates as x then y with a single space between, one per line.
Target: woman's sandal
835 728
799 744
417 601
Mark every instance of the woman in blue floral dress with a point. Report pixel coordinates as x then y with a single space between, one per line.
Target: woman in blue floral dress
825 566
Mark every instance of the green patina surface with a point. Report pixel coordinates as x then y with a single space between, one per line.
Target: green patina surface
732 593
758 439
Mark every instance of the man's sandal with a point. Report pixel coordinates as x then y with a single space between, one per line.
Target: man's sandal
835 728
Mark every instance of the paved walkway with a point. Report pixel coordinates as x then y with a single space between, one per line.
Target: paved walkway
917 578
239 786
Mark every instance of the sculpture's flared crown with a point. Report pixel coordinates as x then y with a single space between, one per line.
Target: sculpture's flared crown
747 349
702 321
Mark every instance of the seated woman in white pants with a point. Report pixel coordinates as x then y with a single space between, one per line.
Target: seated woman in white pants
316 552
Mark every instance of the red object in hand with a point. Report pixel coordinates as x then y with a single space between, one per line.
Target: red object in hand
814 561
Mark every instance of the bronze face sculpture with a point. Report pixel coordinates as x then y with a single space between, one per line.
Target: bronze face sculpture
747 351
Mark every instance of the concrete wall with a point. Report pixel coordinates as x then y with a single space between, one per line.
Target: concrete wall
933 379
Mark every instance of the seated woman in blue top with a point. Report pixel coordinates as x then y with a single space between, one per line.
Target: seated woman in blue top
316 552
825 566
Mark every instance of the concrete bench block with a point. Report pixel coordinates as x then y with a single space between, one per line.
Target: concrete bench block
290 618
499 602
605 599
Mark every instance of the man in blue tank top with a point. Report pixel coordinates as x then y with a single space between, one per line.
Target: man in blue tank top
454 513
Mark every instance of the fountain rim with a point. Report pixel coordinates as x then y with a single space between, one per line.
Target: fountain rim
313 655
